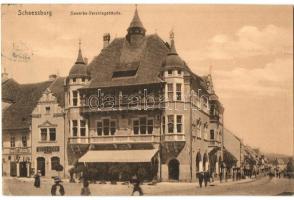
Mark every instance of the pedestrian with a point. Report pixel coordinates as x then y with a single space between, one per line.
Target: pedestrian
85 190
37 177
136 185
200 178
57 189
206 178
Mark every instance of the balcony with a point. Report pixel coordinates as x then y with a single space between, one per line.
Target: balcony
214 143
115 139
174 137
16 150
121 104
126 139
214 118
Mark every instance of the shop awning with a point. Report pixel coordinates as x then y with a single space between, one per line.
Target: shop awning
126 156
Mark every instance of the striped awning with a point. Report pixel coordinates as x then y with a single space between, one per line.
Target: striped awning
111 156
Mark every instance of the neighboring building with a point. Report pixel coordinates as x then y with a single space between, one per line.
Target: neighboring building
16 125
234 146
48 143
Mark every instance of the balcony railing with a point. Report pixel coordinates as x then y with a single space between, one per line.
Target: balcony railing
174 137
214 143
16 150
126 139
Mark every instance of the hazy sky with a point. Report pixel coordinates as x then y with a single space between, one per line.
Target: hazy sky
250 49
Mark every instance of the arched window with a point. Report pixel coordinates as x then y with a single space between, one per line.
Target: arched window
205 161
55 162
198 159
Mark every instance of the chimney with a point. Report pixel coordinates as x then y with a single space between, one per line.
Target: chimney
106 40
52 77
86 60
4 75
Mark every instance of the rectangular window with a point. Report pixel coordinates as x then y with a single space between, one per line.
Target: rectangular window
74 98
150 126
99 128
43 134
170 91
179 124
136 127
179 91
74 128
24 141
142 125
12 141
179 72
199 129
47 109
170 72
74 80
83 79
112 127
83 128
170 123
212 134
52 134
106 126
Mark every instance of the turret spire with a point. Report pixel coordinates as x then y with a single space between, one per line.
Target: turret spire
80 59
172 44
136 26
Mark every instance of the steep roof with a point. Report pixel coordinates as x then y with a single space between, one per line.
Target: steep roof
79 69
172 59
136 22
10 89
118 55
17 115
57 88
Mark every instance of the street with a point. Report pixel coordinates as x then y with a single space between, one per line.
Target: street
260 186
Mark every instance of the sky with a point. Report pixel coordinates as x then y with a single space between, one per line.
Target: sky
249 48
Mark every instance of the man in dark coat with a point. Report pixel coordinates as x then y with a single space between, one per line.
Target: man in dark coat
206 178
136 183
200 178
37 177
57 188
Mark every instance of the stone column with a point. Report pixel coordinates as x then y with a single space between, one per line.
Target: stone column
28 169
200 166
17 169
206 165
216 168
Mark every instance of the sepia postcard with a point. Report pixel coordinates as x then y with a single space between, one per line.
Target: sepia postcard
147 99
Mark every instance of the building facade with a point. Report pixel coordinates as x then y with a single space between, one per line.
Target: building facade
48 139
136 108
139 99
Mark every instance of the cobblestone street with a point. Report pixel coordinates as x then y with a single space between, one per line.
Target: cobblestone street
261 186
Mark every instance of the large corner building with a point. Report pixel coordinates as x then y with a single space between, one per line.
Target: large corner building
136 107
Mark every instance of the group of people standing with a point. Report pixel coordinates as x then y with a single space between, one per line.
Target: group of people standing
57 188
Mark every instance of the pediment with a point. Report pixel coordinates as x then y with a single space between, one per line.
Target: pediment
47 124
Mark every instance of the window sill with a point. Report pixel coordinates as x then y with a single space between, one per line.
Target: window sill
47 141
